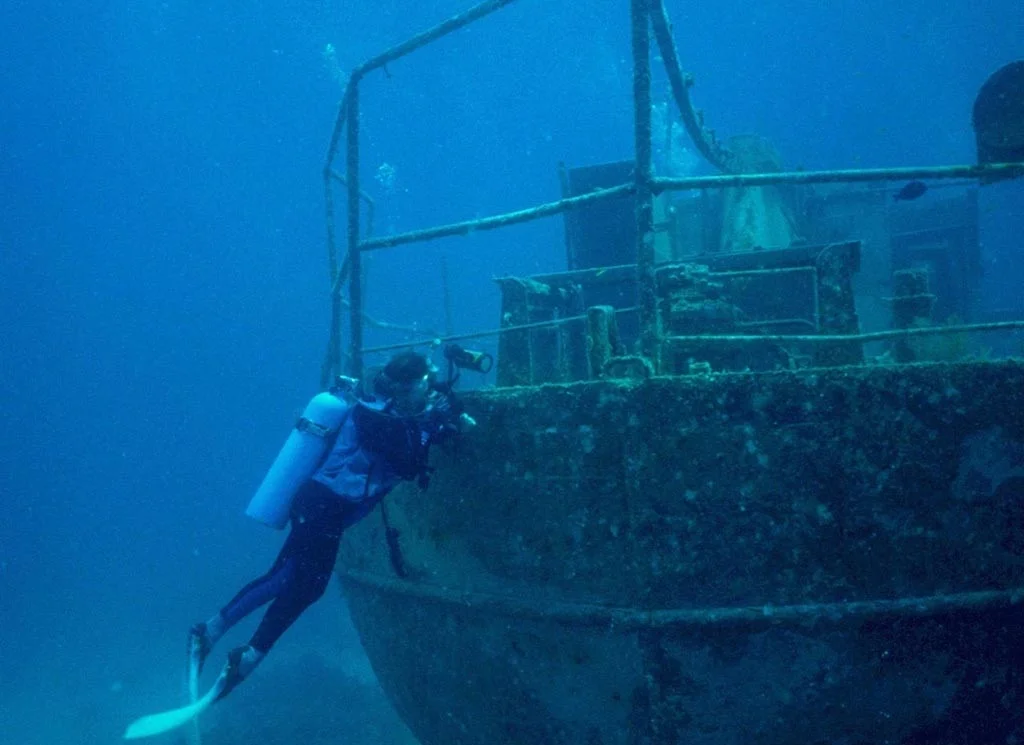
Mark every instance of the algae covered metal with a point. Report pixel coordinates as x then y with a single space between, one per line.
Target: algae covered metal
824 556
747 477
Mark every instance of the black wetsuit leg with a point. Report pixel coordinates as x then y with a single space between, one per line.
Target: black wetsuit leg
302 570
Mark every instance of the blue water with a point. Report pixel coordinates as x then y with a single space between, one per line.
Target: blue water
163 290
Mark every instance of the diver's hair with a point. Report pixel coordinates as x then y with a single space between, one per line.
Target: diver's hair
406 367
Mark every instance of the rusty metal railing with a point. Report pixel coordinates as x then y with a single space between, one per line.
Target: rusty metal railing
645 16
348 120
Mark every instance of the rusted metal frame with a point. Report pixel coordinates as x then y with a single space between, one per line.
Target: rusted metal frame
497 221
331 365
489 332
332 361
446 297
432 34
596 275
371 209
332 357
348 114
371 204
815 300
570 246
1003 170
354 258
643 175
866 337
748 617
531 354
339 125
376 323
644 186
777 322
762 272
452 24
680 83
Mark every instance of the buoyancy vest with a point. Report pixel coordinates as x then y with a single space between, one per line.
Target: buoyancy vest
374 449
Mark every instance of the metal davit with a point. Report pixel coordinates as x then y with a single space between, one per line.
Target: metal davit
720 494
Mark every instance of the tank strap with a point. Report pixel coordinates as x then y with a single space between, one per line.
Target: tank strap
332 435
308 425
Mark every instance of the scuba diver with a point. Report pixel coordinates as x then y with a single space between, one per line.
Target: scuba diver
344 455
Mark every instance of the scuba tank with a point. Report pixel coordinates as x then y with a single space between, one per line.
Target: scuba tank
301 454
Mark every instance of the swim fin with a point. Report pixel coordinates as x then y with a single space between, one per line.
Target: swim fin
195 664
156 724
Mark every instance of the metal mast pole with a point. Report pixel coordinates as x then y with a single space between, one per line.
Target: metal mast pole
647 300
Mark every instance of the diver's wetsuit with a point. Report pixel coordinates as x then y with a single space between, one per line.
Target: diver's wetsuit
375 446
350 482
303 568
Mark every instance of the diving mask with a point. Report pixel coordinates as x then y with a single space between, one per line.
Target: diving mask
402 399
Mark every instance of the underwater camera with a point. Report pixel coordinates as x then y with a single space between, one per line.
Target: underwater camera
468 359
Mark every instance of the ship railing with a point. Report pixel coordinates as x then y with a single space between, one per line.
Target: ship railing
646 16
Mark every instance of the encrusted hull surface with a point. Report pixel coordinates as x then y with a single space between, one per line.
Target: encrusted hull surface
828 556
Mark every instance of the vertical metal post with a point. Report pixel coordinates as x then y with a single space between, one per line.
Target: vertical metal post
570 250
446 291
332 361
356 265
647 299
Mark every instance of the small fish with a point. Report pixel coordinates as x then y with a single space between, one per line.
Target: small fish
911 191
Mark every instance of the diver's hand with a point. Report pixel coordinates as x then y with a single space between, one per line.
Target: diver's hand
466 422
